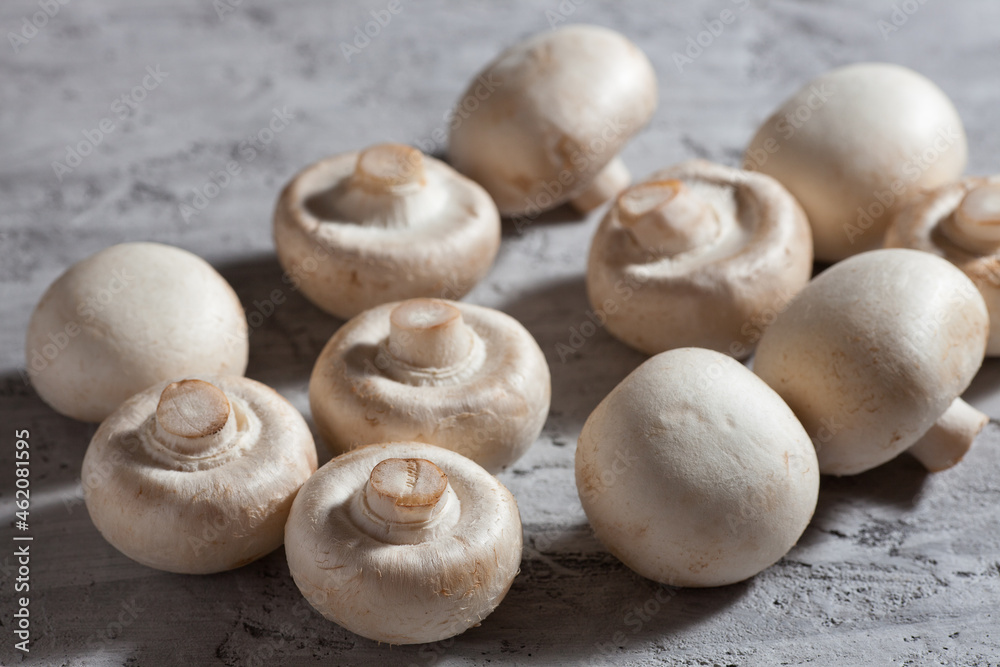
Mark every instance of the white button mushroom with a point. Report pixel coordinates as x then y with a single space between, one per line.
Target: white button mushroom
467 378
694 473
126 318
404 543
874 351
700 255
388 223
197 476
855 143
960 222
544 122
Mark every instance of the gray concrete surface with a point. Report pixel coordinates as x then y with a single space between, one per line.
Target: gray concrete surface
899 567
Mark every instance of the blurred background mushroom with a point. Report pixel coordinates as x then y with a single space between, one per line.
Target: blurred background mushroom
961 222
874 135
562 104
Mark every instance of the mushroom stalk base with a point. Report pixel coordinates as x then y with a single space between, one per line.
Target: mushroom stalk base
950 437
195 419
427 333
388 189
666 218
406 501
611 180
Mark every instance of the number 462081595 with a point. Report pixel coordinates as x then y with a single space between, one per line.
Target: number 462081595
22 458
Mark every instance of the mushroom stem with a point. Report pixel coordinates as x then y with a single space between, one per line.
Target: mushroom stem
611 180
405 490
388 188
666 217
195 418
406 501
950 437
975 224
389 169
428 333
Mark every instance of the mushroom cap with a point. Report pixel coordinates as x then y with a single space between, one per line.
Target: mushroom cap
491 407
873 351
853 144
921 225
541 121
128 317
694 473
723 291
405 593
197 514
443 245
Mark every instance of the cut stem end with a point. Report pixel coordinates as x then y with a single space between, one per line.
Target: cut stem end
389 168
429 333
194 418
406 490
666 217
950 437
406 501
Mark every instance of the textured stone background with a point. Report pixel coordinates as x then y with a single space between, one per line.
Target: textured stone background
898 567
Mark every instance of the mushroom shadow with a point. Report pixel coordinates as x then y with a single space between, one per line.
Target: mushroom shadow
287 332
984 386
896 484
581 604
320 204
578 605
58 444
560 215
585 360
23 408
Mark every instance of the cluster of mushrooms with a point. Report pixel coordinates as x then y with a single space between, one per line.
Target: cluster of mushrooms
694 471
